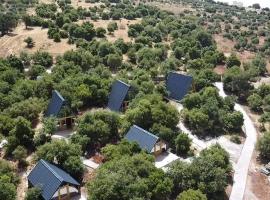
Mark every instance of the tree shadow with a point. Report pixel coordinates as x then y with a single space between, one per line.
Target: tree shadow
29 29
12 34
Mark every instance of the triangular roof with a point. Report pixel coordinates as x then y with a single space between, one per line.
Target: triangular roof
55 104
118 94
145 139
178 85
49 178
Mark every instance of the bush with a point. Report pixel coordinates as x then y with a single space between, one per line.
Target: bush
182 143
56 37
100 32
43 58
29 42
263 146
34 194
255 102
236 139
192 195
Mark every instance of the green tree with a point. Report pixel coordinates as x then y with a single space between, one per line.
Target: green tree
100 32
21 134
43 59
112 26
255 102
29 42
8 21
27 20
15 62
20 154
35 71
237 82
111 151
263 146
182 143
100 127
49 125
204 38
208 173
33 194
7 189
150 110
233 61
145 181
114 61
66 155
192 195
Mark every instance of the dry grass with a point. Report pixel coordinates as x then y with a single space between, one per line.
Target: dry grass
14 43
227 47
220 69
258 185
83 4
223 44
175 8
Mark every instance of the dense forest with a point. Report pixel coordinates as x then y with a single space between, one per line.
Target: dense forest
159 42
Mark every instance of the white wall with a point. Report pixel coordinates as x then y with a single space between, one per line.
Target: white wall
263 3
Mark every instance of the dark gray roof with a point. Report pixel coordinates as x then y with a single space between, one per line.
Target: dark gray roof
49 178
178 85
118 94
145 139
55 104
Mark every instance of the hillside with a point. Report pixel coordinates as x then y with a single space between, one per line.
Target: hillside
120 99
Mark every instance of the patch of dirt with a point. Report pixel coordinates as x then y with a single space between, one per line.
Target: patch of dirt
223 44
175 8
14 42
263 80
227 47
268 66
220 69
258 185
83 4
45 1
245 56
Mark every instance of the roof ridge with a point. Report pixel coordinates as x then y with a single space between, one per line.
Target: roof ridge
145 131
51 170
123 82
180 73
59 95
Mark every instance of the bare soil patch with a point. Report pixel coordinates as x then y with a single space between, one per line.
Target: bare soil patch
13 44
227 47
220 69
175 8
258 185
223 44
83 4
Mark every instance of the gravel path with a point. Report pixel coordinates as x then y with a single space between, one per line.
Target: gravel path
242 166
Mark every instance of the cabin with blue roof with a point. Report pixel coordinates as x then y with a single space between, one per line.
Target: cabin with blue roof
51 180
178 85
59 109
118 95
146 140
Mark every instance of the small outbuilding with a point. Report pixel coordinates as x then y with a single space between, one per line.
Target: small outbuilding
178 85
118 95
146 140
51 179
58 108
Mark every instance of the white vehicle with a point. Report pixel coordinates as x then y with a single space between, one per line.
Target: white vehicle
3 143
264 171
